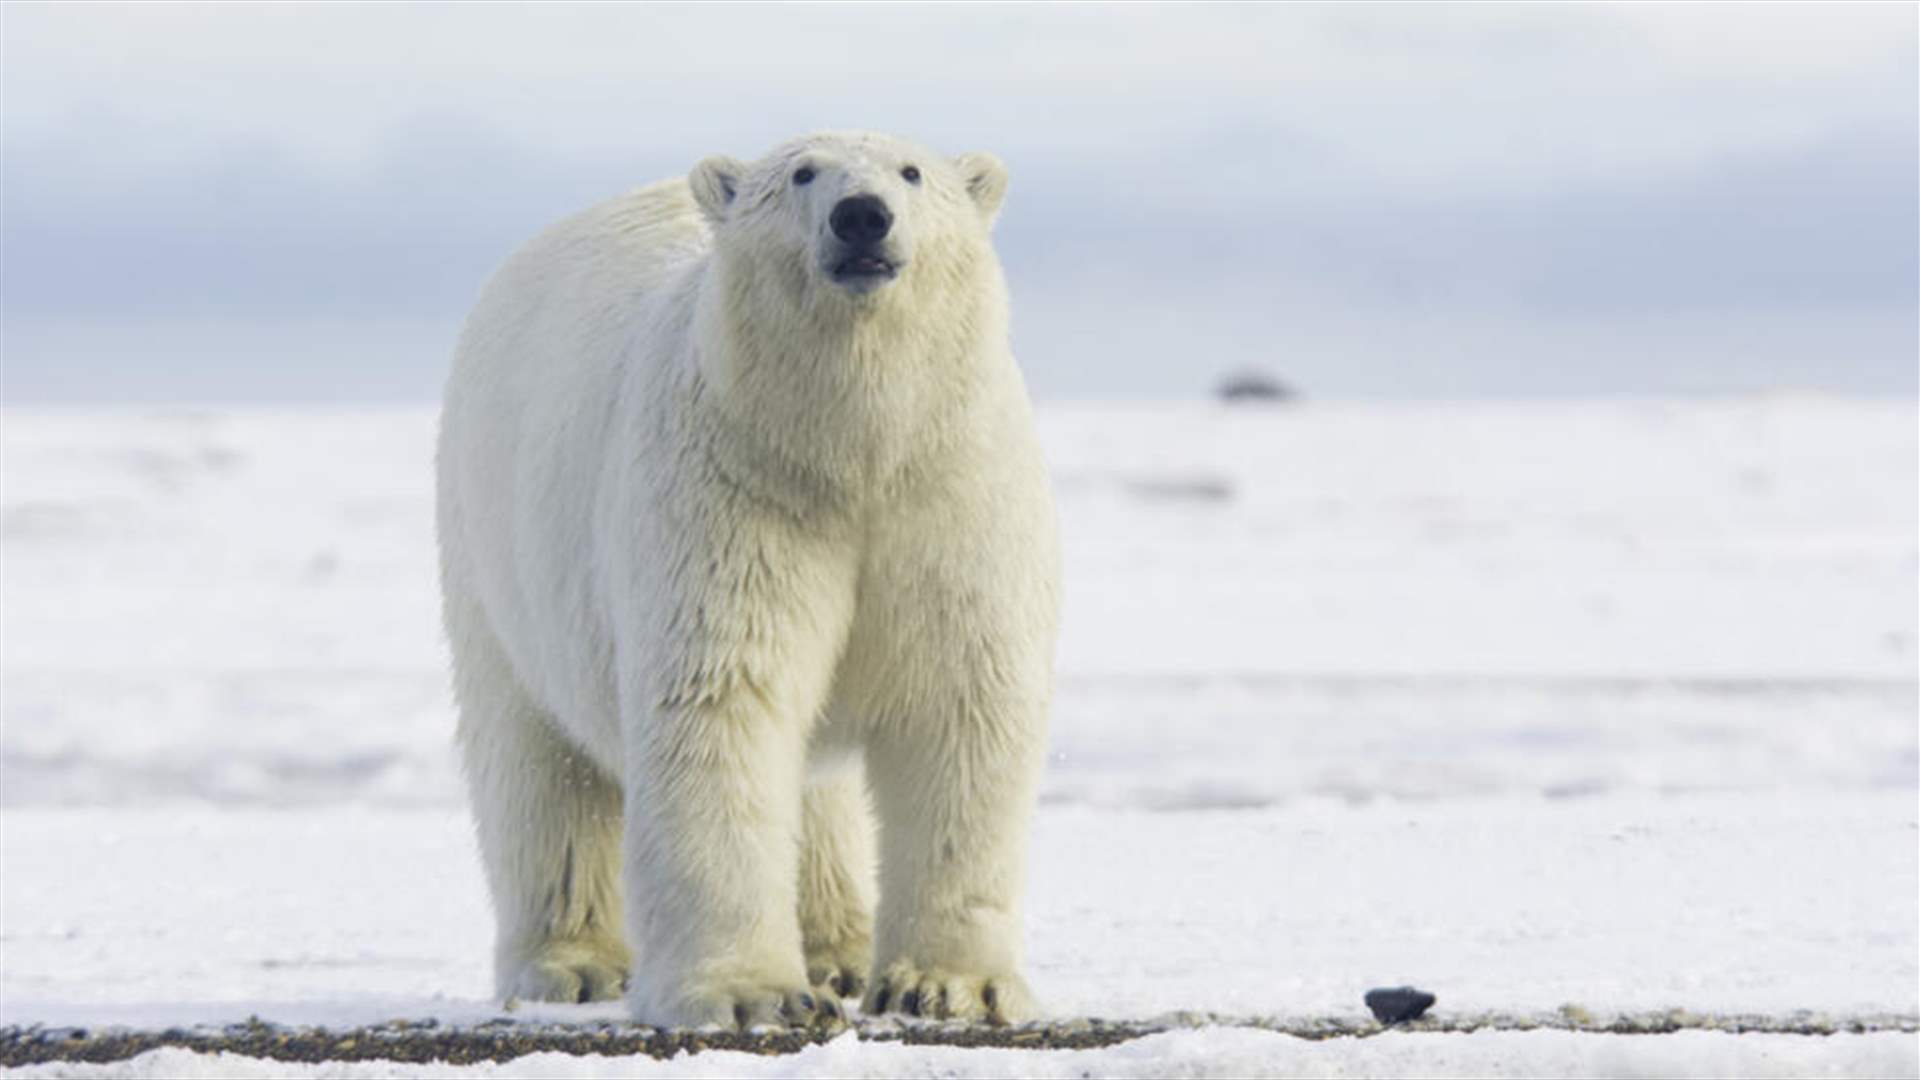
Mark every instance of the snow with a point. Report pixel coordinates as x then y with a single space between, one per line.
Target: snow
1611 704
1709 902
1215 1052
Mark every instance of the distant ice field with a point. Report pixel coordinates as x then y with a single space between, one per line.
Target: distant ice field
1261 603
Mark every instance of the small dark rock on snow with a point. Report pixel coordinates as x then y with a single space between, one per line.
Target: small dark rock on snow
1399 1004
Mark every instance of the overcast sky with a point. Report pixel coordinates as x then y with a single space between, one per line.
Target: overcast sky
289 203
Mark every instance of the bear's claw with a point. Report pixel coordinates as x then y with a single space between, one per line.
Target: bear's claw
748 1009
940 995
837 980
567 981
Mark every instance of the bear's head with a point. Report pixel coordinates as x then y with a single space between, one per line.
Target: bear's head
853 216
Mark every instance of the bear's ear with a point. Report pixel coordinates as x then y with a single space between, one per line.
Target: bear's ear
715 181
986 179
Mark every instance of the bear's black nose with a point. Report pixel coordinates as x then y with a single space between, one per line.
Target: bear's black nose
861 219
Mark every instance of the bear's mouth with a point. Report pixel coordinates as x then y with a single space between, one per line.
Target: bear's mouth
864 266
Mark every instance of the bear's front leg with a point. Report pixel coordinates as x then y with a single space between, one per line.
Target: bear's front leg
723 671
955 803
952 657
712 824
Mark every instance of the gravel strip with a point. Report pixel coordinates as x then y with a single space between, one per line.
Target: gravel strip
423 1041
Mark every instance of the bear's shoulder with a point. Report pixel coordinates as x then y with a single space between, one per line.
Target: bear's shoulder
639 238
658 214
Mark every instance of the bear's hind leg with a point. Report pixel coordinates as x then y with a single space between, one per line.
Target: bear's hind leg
549 824
837 882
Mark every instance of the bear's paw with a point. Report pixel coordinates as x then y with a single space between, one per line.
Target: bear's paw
568 975
839 969
747 1007
999 998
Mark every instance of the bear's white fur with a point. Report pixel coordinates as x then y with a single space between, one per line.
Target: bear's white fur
737 543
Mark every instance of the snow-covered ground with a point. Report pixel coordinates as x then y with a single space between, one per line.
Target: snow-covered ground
1216 1052
1528 704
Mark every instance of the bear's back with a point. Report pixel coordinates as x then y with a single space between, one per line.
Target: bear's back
526 417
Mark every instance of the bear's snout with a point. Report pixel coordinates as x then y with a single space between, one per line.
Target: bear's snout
864 261
861 220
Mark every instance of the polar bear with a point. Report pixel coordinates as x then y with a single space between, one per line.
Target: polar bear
745 540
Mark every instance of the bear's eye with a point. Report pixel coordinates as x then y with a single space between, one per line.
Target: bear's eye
803 175
912 174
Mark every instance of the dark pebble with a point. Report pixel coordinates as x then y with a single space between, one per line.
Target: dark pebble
1399 1004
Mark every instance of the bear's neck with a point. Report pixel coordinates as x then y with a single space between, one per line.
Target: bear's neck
843 395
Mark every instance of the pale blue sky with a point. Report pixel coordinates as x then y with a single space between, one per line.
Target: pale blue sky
289 203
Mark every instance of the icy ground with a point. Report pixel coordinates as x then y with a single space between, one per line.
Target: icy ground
1610 705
